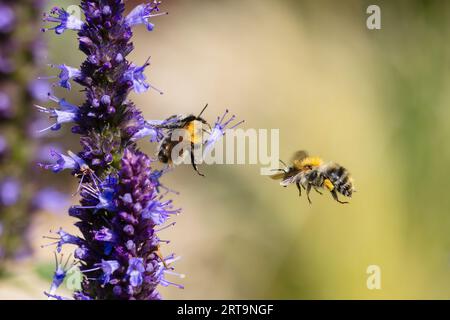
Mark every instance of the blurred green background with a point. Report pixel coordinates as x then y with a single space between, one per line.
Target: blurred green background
376 101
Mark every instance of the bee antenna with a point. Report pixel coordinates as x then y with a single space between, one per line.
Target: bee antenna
156 89
147 62
283 163
203 110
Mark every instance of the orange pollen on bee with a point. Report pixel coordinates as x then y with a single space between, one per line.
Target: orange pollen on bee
328 184
195 132
161 257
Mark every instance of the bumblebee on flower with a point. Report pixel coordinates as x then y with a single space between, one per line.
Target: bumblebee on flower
122 208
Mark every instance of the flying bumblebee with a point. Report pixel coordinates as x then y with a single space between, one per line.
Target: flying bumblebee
311 172
195 136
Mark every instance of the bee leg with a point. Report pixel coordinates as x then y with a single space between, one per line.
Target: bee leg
79 184
278 170
335 197
308 189
318 191
194 165
299 189
160 256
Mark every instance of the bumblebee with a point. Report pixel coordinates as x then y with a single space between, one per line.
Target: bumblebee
181 122
300 162
312 173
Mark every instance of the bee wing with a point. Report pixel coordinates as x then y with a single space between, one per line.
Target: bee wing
169 123
277 176
288 181
299 155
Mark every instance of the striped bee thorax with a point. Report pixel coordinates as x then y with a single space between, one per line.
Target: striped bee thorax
340 177
311 178
314 177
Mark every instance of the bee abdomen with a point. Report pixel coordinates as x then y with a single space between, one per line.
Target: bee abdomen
341 180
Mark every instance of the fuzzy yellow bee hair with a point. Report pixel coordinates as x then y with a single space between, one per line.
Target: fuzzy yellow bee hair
308 162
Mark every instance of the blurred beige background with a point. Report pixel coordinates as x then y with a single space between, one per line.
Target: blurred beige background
374 101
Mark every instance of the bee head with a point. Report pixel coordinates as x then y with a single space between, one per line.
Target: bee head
162 156
348 190
311 175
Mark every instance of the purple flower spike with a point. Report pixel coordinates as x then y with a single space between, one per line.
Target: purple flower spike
121 208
